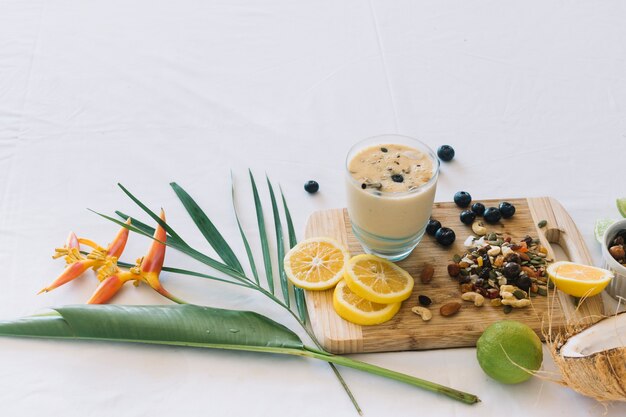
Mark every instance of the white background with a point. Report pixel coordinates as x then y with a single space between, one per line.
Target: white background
531 94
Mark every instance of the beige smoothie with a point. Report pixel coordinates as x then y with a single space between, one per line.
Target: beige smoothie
390 190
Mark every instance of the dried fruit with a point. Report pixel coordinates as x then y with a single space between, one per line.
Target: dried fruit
454 270
542 224
424 300
427 274
450 309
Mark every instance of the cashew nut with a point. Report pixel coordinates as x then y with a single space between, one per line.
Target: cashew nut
479 228
514 302
507 288
507 294
423 312
475 297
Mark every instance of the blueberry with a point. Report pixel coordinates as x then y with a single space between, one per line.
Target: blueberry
311 186
492 215
462 198
445 153
478 208
397 178
511 270
507 209
432 227
468 217
523 282
445 236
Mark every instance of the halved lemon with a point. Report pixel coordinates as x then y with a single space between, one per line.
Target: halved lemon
579 280
378 280
358 310
316 263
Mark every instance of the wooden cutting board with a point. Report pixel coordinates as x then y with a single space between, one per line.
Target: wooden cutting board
406 331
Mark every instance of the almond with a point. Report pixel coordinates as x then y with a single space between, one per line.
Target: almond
427 274
454 269
450 309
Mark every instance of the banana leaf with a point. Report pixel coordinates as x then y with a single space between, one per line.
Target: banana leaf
190 325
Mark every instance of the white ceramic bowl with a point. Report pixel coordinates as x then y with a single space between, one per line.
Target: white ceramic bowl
617 286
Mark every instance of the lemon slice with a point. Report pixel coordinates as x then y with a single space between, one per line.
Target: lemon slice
358 310
378 280
316 264
579 280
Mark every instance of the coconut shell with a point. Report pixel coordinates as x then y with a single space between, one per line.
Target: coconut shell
601 375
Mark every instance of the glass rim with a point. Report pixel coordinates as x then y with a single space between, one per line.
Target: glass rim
421 147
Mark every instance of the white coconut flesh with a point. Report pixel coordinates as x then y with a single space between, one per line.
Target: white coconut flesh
607 334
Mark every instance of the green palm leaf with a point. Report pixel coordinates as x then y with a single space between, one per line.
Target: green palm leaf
243 235
298 292
280 244
195 326
207 228
267 260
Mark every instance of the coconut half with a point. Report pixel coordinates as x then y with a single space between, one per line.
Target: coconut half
593 361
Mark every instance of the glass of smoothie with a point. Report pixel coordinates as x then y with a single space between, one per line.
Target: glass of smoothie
391 182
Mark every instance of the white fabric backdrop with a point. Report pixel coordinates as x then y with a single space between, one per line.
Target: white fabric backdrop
531 94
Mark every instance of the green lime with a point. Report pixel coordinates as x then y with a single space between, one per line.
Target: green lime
621 206
601 226
507 349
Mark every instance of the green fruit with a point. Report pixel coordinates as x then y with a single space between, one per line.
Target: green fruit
621 206
505 344
600 228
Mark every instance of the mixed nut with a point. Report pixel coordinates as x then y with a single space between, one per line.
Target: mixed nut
506 273
617 247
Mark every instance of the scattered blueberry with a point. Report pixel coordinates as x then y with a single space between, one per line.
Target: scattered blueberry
432 227
311 187
492 215
445 236
397 178
507 209
385 150
468 217
478 208
445 153
462 198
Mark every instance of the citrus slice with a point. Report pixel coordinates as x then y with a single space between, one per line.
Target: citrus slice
600 228
358 310
378 280
621 206
579 280
316 264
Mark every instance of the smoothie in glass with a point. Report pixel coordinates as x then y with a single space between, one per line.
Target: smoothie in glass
391 182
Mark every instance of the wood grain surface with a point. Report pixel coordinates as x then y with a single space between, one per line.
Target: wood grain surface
406 331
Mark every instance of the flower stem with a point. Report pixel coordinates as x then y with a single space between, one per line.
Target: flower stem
387 373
